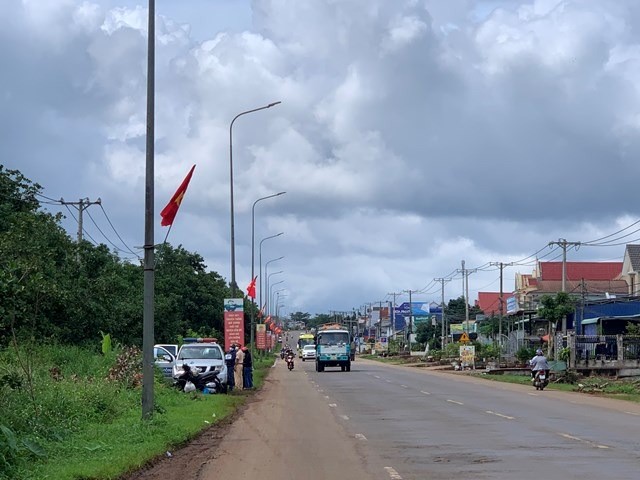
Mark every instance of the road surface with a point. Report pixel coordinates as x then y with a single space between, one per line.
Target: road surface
389 422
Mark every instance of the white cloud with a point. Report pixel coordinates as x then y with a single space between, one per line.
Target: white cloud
412 134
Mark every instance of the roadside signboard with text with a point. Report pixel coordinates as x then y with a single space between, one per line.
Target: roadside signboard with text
233 322
467 355
261 337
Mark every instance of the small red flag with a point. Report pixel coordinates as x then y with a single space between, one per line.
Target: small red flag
268 319
168 213
251 289
261 312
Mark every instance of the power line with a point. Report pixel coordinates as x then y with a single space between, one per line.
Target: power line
116 232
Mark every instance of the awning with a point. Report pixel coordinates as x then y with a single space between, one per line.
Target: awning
591 321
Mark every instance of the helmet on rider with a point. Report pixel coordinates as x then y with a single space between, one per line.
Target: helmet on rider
539 351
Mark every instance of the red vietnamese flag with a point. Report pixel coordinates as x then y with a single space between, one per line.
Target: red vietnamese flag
261 312
168 213
268 319
251 289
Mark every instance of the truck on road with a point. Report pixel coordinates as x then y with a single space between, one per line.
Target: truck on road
333 347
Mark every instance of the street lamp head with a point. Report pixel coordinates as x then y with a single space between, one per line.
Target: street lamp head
274 104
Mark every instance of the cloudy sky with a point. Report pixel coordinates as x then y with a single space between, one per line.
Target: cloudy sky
412 134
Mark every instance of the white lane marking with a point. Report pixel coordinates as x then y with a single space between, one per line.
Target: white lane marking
500 415
333 405
533 394
632 413
454 401
392 473
582 440
326 396
404 386
388 381
377 376
360 436
344 417
426 393
320 390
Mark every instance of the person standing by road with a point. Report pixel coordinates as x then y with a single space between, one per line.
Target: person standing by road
247 370
239 366
230 362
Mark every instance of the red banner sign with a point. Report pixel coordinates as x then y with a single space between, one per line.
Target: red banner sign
261 337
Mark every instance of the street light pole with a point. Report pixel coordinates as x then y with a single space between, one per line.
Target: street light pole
233 235
149 253
253 222
260 260
266 285
271 293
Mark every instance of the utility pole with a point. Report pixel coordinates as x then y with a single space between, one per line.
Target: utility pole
81 205
410 332
393 312
562 243
465 282
443 327
501 266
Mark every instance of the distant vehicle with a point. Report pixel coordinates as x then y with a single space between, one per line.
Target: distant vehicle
308 352
333 347
304 339
164 360
202 355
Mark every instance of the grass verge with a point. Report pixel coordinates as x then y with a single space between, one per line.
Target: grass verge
81 426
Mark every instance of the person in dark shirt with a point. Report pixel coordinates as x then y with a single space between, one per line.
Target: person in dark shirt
247 369
230 361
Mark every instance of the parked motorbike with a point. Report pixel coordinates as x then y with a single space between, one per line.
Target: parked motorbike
204 382
290 362
541 379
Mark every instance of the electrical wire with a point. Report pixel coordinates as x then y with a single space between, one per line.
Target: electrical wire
116 232
118 249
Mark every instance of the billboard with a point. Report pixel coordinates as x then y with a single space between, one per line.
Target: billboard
233 322
419 310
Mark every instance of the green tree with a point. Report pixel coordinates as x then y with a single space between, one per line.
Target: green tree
555 308
428 333
303 317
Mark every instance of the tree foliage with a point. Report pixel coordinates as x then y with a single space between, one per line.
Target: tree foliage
555 308
53 287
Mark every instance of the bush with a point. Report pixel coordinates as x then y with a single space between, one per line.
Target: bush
525 354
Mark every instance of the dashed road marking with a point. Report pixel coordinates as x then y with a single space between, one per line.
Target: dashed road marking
582 440
500 415
426 393
454 401
333 405
404 386
533 394
377 376
392 473
388 381
344 417
360 436
320 390
326 396
632 413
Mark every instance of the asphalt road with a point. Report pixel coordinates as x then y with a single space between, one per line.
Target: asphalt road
414 424
390 422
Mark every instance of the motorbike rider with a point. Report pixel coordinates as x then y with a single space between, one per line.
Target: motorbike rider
289 356
537 363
